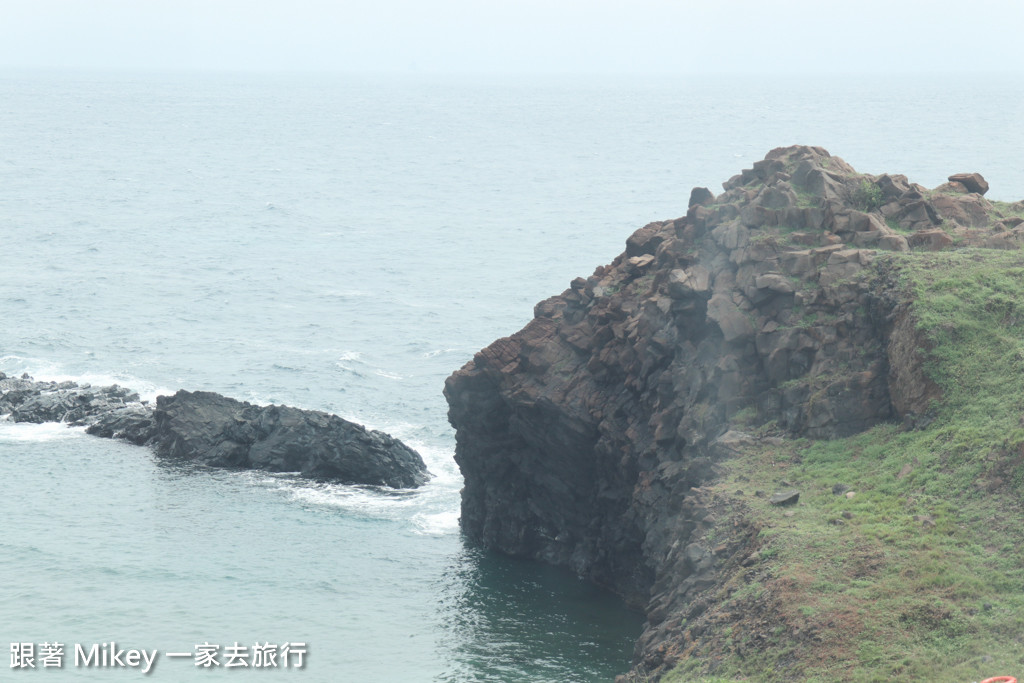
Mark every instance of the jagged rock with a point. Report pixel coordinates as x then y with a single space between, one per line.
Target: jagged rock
734 323
645 240
695 281
892 186
223 432
26 400
917 215
700 196
132 423
972 181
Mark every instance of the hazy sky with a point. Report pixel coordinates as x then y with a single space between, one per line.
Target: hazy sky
518 36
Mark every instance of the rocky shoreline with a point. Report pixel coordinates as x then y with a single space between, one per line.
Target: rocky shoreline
218 431
588 438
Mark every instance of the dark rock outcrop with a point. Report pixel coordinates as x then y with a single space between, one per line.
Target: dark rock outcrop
585 437
222 432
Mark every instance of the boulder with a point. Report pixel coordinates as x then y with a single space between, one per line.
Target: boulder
930 240
972 181
784 498
969 210
645 240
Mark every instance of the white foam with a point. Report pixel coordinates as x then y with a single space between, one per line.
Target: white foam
345 368
25 432
386 374
432 510
365 501
42 371
349 358
438 352
437 523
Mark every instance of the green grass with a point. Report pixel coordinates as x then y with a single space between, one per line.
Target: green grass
806 200
1008 209
891 597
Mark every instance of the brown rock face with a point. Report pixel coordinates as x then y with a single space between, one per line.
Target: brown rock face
972 181
584 438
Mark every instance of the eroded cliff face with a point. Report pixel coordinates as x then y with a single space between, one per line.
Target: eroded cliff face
585 437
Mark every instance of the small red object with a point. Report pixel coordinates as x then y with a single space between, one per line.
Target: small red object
1000 679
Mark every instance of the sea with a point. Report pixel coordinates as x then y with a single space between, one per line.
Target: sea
344 242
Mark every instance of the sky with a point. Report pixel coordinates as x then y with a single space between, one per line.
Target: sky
518 36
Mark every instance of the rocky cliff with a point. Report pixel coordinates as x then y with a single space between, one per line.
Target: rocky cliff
773 311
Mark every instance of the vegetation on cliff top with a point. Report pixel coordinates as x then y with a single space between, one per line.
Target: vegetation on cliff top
919 574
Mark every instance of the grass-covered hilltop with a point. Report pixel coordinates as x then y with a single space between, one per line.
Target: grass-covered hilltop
788 426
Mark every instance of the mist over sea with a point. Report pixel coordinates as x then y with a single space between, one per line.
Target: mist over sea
343 243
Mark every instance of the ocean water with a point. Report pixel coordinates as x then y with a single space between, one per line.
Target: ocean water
343 243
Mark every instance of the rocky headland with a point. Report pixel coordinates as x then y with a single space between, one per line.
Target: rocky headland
622 433
218 431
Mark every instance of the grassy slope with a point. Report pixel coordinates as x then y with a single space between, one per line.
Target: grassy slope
859 588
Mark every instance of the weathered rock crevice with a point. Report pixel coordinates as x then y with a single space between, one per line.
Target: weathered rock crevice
584 438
